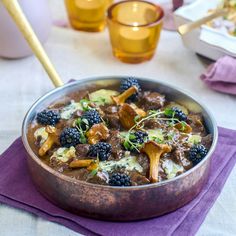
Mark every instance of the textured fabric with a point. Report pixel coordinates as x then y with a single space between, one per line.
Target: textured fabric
16 189
221 76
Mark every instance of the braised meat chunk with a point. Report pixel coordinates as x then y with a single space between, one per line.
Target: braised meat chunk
82 151
115 141
152 100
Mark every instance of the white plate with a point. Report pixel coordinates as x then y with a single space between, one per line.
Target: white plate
206 41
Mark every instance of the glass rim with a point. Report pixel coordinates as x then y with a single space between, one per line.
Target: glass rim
156 6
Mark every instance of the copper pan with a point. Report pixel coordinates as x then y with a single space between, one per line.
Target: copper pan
118 203
106 202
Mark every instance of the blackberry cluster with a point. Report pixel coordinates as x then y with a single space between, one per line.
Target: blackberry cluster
69 137
48 117
119 179
140 137
92 117
197 153
137 139
179 114
101 150
127 83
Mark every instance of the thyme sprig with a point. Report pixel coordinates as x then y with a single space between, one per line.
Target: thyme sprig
131 142
130 138
151 115
85 103
83 126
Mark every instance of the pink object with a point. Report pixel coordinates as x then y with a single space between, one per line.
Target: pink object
177 4
169 8
61 23
221 76
12 43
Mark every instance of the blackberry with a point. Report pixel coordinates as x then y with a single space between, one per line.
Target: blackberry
119 179
92 117
137 139
69 137
127 83
197 153
48 117
140 137
101 150
178 114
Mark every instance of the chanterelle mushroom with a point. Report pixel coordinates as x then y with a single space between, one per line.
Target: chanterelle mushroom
127 115
154 152
89 163
80 163
96 133
185 128
52 138
119 100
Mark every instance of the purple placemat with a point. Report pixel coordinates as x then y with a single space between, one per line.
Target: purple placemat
17 190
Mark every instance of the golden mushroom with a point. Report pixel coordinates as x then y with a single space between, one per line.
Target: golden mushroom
89 163
80 163
154 151
127 115
185 128
120 99
96 133
52 138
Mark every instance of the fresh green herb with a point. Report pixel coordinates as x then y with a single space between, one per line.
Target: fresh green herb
136 118
129 138
151 112
93 172
158 140
169 112
132 136
151 115
83 139
183 125
82 125
170 136
85 104
130 142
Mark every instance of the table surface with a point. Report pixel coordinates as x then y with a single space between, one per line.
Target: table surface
89 54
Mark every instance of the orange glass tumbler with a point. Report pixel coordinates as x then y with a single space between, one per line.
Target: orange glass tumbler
87 15
134 28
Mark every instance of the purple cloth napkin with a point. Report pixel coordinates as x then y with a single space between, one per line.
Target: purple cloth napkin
17 190
221 75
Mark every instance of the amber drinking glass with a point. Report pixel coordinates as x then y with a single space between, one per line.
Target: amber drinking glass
87 15
134 28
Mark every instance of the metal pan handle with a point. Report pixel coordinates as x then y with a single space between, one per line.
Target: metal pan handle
18 16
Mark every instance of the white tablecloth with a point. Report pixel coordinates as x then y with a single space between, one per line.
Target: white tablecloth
77 55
